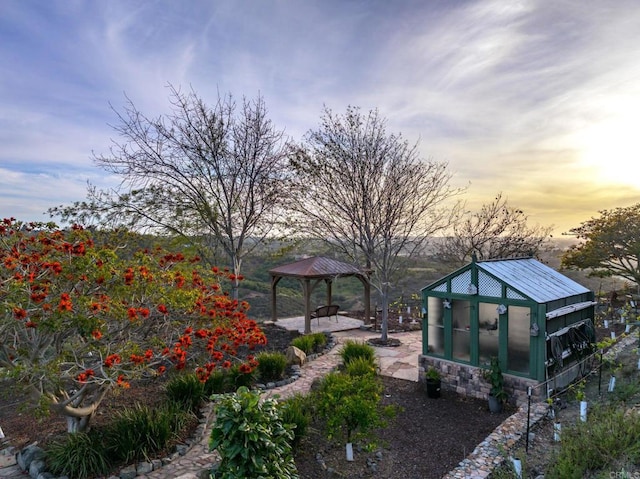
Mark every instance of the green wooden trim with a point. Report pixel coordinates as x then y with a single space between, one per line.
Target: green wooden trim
448 333
425 335
474 339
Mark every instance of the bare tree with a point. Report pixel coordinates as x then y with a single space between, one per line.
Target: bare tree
216 173
369 194
496 231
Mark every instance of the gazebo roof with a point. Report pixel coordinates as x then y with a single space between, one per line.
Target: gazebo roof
316 267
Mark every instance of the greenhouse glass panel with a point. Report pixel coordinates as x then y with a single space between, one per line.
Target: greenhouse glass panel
488 332
461 322
518 340
435 323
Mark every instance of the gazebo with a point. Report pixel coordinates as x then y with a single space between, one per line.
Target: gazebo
310 272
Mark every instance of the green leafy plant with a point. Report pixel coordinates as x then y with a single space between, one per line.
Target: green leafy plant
578 389
310 343
218 382
361 366
350 405
494 377
304 343
319 341
432 374
297 410
238 377
252 439
186 390
355 349
271 365
608 438
140 431
78 456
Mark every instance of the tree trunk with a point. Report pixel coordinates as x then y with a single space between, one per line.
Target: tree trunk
78 424
384 326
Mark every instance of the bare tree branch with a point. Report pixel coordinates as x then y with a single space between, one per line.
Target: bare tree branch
369 194
211 172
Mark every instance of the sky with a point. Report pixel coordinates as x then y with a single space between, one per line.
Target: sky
536 99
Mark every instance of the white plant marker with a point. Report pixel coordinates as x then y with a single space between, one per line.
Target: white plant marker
583 411
557 428
349 451
612 383
606 323
627 328
1 434
613 335
517 467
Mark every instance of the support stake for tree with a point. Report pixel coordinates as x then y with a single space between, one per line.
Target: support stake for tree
526 447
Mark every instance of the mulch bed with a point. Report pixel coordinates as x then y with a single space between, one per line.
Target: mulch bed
426 439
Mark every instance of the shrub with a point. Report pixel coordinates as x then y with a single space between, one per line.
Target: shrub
271 365
140 431
361 366
251 438
218 383
78 456
236 378
350 404
319 341
305 343
297 410
186 390
354 349
608 436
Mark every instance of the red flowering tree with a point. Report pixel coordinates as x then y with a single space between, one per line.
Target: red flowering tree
77 320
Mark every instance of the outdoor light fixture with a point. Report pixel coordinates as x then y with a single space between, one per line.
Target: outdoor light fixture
447 304
501 309
472 289
534 330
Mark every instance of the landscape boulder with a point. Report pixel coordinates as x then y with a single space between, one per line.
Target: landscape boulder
295 356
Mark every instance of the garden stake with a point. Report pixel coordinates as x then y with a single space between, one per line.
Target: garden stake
526 447
600 375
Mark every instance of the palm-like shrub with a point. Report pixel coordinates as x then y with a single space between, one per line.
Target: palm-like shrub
355 349
271 365
78 456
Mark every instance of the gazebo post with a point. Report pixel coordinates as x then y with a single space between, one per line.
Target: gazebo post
274 283
306 287
329 295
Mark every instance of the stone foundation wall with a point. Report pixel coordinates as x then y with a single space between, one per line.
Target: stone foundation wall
468 381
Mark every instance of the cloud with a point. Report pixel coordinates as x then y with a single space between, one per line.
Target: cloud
538 100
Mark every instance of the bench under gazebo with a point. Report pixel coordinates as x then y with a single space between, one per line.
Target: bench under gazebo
310 272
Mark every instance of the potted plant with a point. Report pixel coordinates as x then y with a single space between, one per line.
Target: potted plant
497 394
433 379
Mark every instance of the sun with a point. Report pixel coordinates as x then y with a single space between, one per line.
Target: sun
611 149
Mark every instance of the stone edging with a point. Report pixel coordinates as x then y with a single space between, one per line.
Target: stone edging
491 452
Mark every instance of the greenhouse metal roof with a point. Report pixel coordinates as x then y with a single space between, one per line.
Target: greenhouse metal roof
533 279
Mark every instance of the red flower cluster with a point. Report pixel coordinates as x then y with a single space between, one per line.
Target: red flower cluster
86 375
65 303
111 360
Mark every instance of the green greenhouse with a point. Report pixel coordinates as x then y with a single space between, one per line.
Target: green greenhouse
536 321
